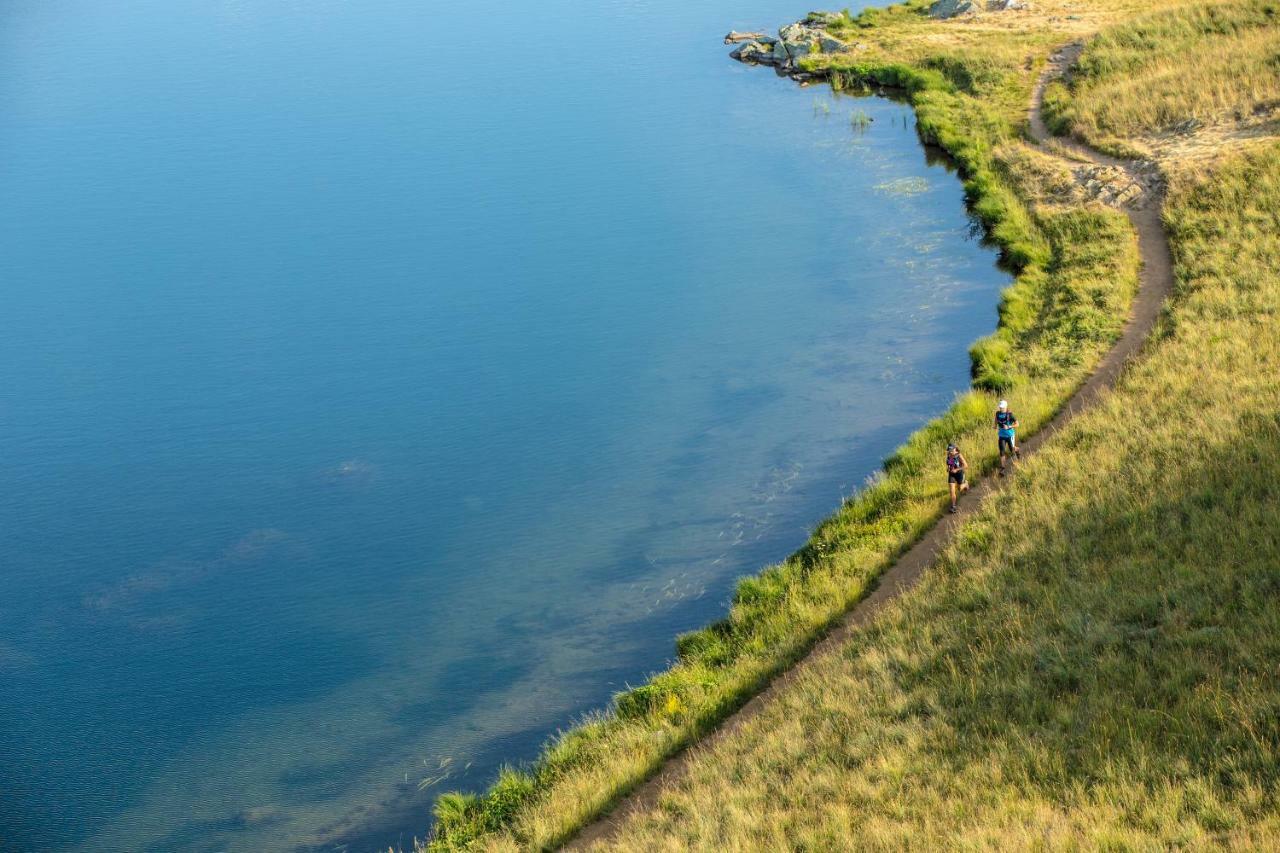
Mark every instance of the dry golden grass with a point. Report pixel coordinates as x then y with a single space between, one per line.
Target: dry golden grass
1202 65
1039 178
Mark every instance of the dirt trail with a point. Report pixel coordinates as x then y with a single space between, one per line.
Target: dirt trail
1155 286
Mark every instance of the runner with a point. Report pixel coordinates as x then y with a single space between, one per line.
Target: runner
956 468
1007 441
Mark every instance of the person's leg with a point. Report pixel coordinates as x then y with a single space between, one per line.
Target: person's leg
1002 442
953 494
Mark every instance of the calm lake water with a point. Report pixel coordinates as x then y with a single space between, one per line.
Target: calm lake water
385 384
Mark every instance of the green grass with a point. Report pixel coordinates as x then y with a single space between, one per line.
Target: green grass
1077 272
1093 664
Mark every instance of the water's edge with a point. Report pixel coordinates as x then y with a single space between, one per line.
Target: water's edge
896 92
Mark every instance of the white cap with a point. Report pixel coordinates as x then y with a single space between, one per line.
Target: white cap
1004 404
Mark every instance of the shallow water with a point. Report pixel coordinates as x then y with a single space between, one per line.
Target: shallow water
384 384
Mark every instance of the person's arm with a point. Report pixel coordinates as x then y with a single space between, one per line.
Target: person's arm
964 463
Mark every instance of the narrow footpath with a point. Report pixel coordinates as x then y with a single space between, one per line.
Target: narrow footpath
1155 286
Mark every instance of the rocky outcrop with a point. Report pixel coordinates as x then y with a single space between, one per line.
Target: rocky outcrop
950 8
801 39
794 42
822 19
944 9
754 51
1117 185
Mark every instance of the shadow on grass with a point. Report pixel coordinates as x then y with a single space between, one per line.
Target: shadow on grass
1128 635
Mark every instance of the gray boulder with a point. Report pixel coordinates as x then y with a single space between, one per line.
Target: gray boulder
831 44
799 32
735 36
781 55
822 19
754 51
799 40
1007 5
950 8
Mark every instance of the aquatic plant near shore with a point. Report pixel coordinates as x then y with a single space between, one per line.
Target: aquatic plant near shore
903 186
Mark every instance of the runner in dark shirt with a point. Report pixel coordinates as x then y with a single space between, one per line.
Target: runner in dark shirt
956 468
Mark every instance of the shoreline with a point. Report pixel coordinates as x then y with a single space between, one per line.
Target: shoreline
364 826
910 568
462 817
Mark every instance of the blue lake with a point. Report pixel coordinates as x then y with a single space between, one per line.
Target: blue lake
385 384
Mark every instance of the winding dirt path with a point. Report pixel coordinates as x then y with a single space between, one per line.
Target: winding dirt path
1155 286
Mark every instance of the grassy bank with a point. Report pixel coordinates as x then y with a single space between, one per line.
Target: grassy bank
1093 663
1076 273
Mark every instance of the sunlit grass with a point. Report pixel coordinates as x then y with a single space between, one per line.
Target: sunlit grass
1204 63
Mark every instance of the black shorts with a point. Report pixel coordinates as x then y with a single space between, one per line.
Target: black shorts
956 477
1005 443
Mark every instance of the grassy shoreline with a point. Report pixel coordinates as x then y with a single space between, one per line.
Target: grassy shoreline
1076 274
1092 662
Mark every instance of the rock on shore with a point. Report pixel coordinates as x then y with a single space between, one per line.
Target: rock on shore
754 51
950 8
812 34
944 9
794 42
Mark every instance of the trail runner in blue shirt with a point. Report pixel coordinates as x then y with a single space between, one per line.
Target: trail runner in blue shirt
1006 435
